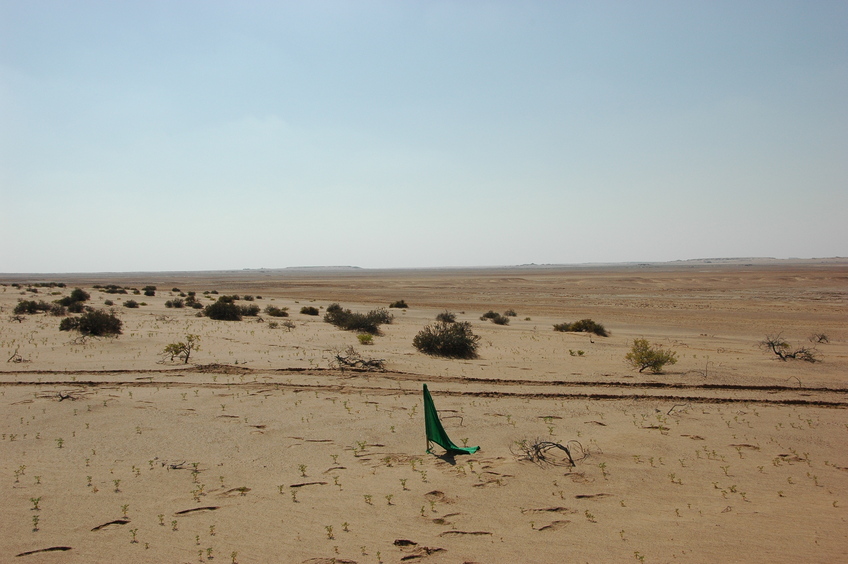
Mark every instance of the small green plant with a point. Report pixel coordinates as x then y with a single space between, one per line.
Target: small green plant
368 499
183 349
133 532
35 520
643 356
365 339
302 469
35 501
329 529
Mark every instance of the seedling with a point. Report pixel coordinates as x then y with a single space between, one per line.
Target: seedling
133 532
294 496
368 499
35 501
161 519
389 499
329 529
124 509
211 530
60 442
174 525
117 485
403 483
35 520
302 468
590 517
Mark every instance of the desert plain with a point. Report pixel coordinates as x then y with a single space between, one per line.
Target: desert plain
262 449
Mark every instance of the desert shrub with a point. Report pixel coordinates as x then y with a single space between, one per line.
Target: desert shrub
510 313
58 311
309 310
75 307
446 317
175 290
489 315
80 295
223 310
500 320
197 305
31 307
275 311
77 295
643 356
248 298
400 304
451 340
583 326
365 339
183 349
175 303
108 302
149 290
362 322
784 351
98 323
251 310
136 292
69 324
132 304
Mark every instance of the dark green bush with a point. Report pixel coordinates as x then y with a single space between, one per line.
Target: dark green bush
77 296
58 311
132 304
149 290
75 307
500 320
175 290
196 305
175 303
275 311
223 310
451 340
309 310
249 310
510 313
446 317
98 323
583 326
400 304
248 298
489 315
31 307
108 302
362 322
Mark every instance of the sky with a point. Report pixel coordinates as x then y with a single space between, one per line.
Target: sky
210 135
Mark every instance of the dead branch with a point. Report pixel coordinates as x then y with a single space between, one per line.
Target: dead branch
538 452
350 358
784 351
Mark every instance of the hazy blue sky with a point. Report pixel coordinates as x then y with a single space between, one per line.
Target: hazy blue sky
186 135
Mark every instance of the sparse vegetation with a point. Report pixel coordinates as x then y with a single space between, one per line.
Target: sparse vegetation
446 317
451 340
643 356
785 351
582 326
361 322
97 323
132 304
309 310
400 304
223 310
183 349
275 311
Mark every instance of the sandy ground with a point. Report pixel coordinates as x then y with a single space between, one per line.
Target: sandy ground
259 451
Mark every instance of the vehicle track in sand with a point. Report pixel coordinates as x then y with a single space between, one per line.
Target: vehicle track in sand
393 383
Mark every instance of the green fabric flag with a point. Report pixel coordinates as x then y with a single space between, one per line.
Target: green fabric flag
435 432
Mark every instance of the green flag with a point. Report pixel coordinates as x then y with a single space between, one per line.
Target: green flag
435 432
